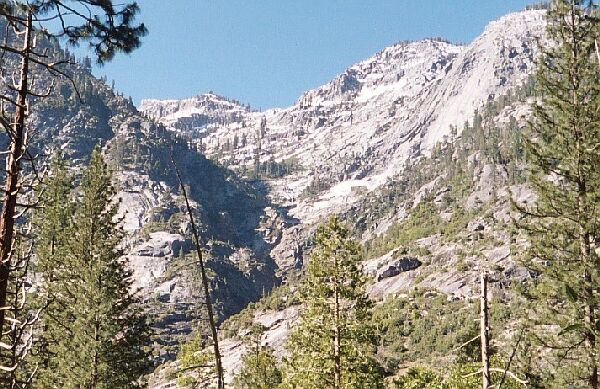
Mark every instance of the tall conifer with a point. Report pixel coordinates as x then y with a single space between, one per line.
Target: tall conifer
334 344
50 224
93 333
563 225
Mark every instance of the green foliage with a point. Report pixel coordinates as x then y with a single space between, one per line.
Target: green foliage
425 326
106 27
562 225
259 371
196 363
259 366
56 217
92 334
336 307
422 222
419 378
460 376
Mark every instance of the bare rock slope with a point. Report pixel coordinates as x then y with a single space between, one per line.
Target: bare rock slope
363 126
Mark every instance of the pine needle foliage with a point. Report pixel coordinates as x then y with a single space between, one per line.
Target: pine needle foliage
563 225
334 343
93 334
259 365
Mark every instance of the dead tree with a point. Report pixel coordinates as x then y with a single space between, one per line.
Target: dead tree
205 283
484 333
21 317
597 52
17 141
484 338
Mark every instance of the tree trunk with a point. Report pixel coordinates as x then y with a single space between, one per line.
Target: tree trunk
585 256
590 336
13 167
485 342
585 248
90 253
584 235
205 286
597 52
94 377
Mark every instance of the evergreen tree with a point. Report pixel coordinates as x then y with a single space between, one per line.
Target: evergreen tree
53 219
50 224
564 156
259 370
259 366
196 363
334 343
106 27
93 332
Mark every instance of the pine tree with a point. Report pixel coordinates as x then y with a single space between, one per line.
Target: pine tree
334 343
53 219
564 156
93 333
196 363
50 224
259 366
106 27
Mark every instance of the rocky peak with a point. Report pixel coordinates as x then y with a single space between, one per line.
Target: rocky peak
500 59
191 115
364 125
347 137
395 67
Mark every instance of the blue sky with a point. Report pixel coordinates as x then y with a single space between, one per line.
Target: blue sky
267 52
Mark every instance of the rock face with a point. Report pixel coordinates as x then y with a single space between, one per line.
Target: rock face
363 126
150 259
397 267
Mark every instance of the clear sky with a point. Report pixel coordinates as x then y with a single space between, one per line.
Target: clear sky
267 52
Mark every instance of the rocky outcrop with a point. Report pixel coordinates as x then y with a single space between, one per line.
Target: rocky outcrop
149 261
396 267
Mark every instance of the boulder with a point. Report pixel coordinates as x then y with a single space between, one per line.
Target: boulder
398 266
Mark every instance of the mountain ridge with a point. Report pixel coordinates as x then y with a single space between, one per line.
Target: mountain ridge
360 128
